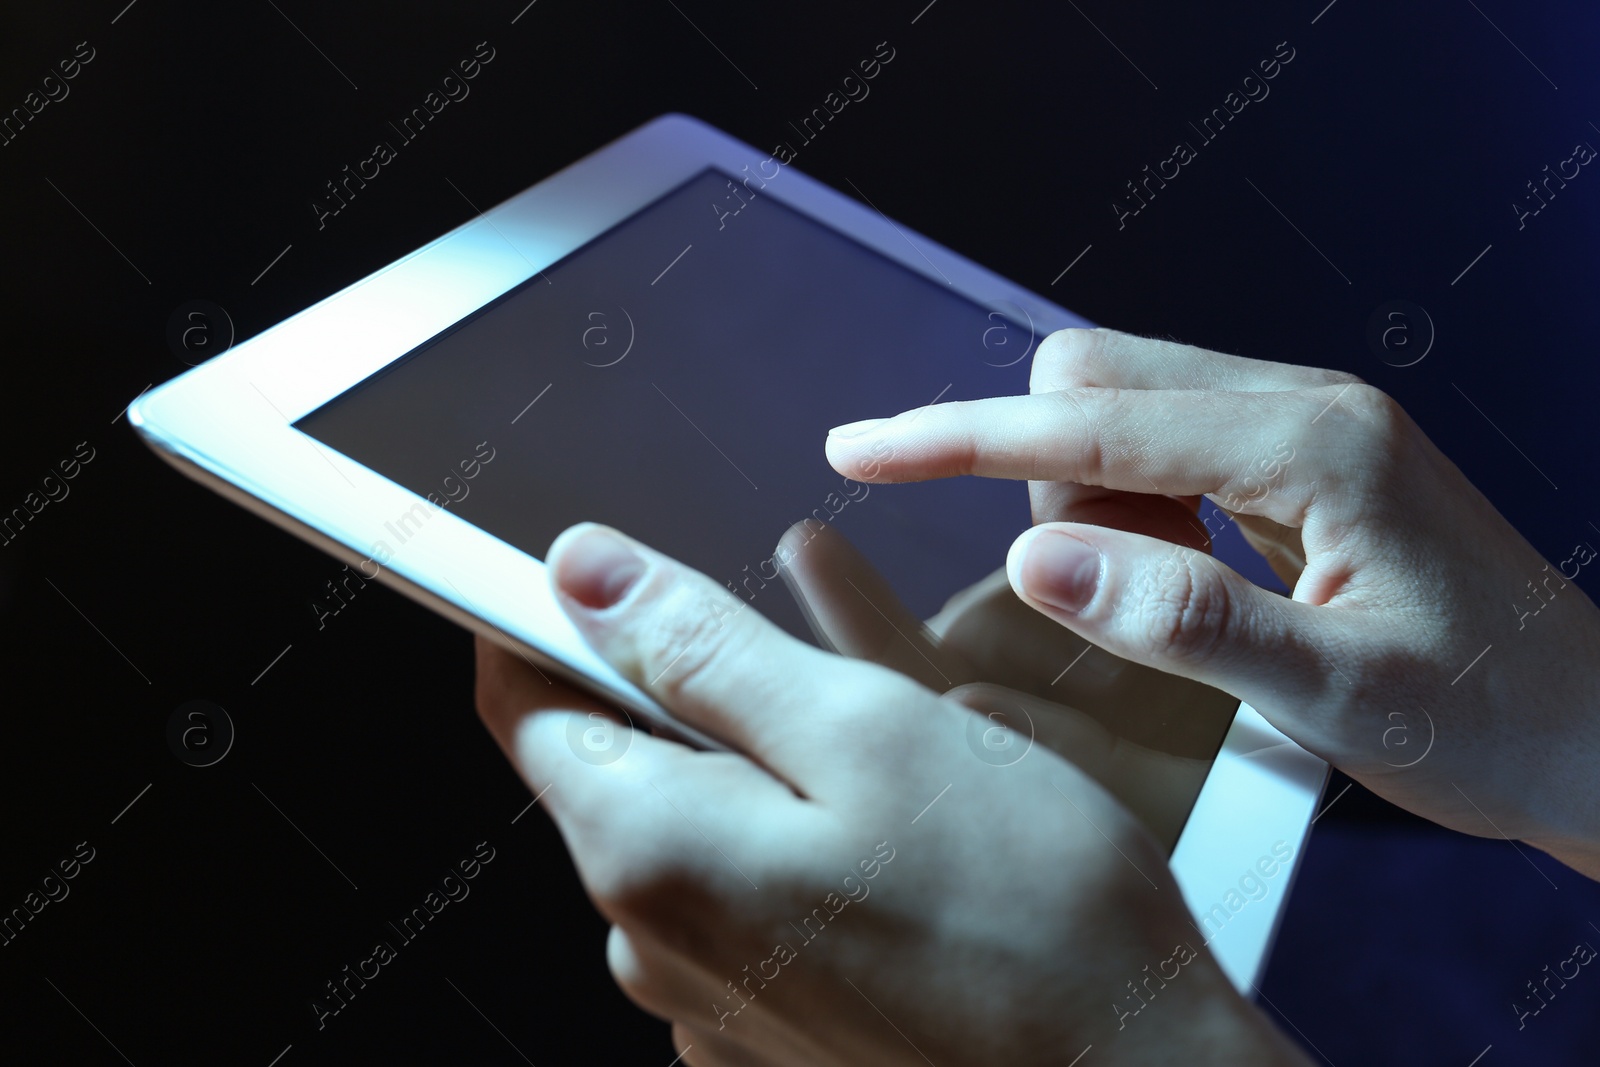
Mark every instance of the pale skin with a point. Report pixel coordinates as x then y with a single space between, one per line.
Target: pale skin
1005 928
1020 905
1402 572
1031 682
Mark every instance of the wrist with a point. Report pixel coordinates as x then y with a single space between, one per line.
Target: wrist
1544 773
1568 827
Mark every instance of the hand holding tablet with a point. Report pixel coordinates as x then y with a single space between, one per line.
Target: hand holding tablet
628 356
1412 655
871 893
1346 517
613 344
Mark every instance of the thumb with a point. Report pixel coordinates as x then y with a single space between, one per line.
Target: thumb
719 668
1182 612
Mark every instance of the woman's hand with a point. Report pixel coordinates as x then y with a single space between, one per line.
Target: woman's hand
1146 736
1428 651
856 885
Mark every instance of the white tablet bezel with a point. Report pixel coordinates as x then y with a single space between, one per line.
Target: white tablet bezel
228 423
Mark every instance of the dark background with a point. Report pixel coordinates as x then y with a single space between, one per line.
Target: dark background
186 158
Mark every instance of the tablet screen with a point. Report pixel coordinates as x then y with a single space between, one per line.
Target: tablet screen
675 378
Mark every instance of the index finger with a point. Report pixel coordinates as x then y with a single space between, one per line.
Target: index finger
1101 357
1232 446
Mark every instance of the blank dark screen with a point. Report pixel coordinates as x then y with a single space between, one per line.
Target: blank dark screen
706 439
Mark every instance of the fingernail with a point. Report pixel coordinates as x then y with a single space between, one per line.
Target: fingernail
1060 570
598 568
855 429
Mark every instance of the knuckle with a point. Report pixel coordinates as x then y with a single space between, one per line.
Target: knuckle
620 890
626 968
1384 423
1068 355
1373 404
634 975
641 887
1077 432
1185 611
965 455
1362 431
695 629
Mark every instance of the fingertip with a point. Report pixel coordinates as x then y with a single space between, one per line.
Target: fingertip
851 457
594 566
862 450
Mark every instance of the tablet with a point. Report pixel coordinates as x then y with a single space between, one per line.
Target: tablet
657 338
